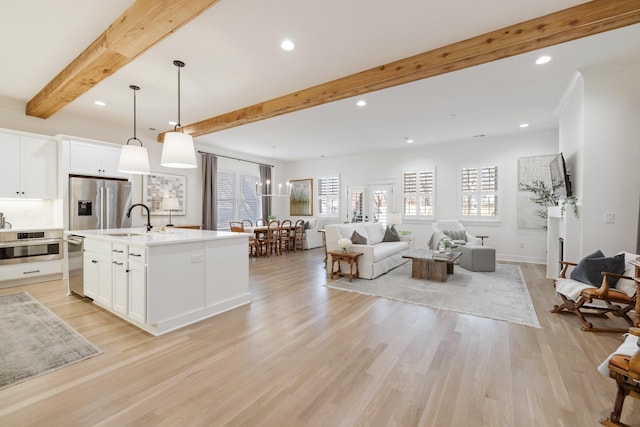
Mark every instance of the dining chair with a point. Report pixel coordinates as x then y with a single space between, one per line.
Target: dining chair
254 246
298 235
271 242
286 234
236 226
247 223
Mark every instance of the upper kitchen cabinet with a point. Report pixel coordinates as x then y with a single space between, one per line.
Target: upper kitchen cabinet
94 159
28 167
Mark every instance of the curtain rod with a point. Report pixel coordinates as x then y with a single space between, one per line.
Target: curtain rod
236 158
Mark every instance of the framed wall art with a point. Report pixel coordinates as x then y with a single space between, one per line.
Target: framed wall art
158 186
301 198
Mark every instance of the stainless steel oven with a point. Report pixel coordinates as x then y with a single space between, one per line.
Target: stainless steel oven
32 245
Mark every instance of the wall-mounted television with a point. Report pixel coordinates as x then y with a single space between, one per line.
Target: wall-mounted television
560 178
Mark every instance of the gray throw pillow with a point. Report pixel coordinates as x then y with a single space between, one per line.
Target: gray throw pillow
589 269
456 234
391 235
307 225
358 239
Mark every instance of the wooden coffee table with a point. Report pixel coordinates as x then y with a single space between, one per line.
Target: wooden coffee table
424 266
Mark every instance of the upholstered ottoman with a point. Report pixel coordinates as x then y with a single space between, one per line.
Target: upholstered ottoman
477 258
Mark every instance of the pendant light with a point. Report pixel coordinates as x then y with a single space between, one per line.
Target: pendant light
178 150
134 159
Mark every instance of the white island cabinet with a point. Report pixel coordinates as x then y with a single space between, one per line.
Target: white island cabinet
164 280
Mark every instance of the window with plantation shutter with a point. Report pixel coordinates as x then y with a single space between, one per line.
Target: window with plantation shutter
419 194
236 198
226 198
328 196
479 192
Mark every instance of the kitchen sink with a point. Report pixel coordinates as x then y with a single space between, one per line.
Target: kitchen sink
123 234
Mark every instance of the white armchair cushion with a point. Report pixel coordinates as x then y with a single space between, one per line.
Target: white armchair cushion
571 288
627 348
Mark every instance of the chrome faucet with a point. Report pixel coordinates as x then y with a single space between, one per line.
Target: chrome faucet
149 226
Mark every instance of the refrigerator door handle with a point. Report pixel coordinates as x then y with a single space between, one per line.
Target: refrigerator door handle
101 196
107 208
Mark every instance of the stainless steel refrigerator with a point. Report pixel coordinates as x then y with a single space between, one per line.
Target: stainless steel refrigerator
98 203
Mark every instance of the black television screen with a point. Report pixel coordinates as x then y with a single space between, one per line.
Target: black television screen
559 178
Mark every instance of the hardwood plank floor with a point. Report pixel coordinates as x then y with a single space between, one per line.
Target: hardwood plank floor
305 355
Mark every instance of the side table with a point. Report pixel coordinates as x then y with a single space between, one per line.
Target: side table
350 257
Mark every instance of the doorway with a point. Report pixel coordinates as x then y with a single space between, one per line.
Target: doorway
369 203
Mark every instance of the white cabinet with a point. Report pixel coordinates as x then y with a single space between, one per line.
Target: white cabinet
94 159
98 272
28 167
119 275
115 276
97 278
137 284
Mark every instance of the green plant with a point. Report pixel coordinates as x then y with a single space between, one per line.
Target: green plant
447 242
571 200
404 232
542 196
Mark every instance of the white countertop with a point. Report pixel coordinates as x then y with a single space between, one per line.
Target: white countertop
169 236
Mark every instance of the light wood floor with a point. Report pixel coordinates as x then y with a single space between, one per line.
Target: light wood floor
305 355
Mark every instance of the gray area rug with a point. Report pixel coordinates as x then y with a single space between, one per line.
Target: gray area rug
500 295
34 341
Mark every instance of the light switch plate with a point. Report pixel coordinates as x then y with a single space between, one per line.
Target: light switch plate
609 217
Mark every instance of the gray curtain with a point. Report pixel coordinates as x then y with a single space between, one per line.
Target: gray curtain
209 196
265 174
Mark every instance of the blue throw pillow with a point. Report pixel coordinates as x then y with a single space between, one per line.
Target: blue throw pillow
589 269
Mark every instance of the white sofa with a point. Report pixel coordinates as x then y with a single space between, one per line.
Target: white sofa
377 257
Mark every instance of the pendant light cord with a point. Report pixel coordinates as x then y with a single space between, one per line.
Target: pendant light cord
178 64
134 88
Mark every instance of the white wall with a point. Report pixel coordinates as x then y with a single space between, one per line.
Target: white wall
571 142
381 167
611 175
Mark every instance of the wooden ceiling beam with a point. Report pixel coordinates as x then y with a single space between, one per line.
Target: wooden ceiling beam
569 24
140 27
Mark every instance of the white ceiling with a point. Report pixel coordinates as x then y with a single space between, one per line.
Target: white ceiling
233 60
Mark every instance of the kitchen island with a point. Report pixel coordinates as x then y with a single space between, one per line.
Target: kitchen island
166 279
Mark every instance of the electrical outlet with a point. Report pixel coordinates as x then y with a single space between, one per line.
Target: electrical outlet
521 245
609 217
196 258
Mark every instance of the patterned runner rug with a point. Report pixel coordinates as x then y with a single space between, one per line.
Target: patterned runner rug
34 341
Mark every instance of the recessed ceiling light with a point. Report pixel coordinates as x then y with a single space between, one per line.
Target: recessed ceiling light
100 103
361 103
543 59
408 140
287 45
524 125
